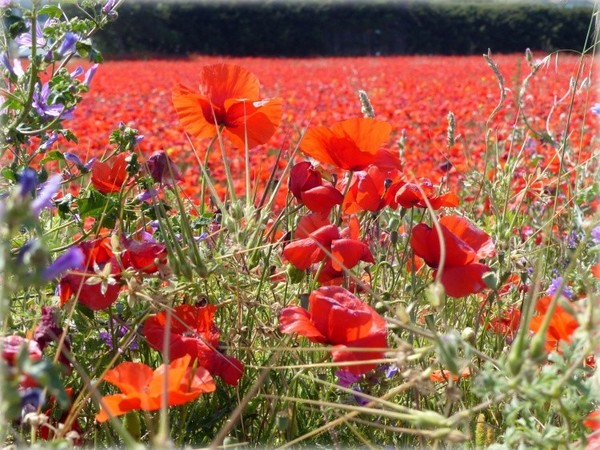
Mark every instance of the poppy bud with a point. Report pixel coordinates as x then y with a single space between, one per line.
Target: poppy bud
295 275
132 425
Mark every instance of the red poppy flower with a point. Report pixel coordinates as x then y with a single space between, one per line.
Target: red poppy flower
143 254
592 421
337 317
110 177
142 388
327 240
306 185
194 333
228 97
507 324
352 144
97 286
409 195
303 177
562 325
370 190
464 244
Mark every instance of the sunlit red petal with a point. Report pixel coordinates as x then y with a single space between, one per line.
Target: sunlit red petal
477 239
252 123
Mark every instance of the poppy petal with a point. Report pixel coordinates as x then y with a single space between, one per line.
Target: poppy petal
195 112
295 319
252 123
461 281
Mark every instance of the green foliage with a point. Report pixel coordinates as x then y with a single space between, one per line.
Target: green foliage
343 28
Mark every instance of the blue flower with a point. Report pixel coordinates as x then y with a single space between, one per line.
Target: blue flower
40 103
44 198
555 284
346 378
27 182
71 259
68 44
596 235
596 109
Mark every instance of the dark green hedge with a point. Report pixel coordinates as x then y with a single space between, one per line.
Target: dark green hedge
366 28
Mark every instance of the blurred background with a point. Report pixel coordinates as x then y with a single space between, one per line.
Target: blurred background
344 28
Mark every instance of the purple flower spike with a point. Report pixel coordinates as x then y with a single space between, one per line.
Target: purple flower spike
47 329
71 259
44 198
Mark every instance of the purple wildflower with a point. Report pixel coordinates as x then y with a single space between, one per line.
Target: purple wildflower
555 284
40 103
44 198
72 157
25 40
71 259
89 75
360 400
68 44
49 142
108 6
346 378
121 331
4 3
596 234
162 169
27 182
78 71
596 109
47 329
31 400
391 371
7 65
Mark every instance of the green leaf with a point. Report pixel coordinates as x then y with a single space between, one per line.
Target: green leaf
54 155
9 174
50 10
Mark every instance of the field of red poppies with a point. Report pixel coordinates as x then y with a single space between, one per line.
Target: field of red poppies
413 94
396 251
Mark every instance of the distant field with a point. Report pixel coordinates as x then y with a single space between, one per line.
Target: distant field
414 94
